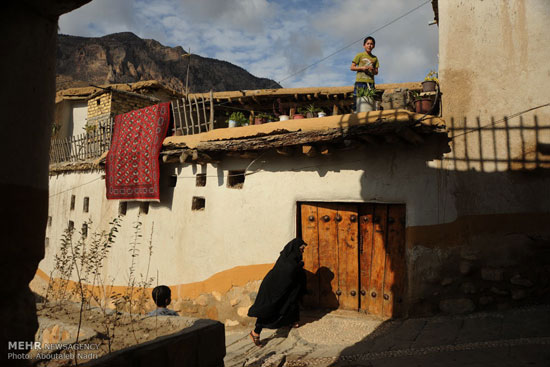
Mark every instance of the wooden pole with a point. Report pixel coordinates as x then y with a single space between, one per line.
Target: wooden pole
185 116
204 112
191 117
211 110
197 110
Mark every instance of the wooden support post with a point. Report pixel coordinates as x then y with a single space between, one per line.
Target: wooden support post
325 150
292 112
211 110
251 119
197 110
204 113
335 110
191 116
185 116
184 155
309 150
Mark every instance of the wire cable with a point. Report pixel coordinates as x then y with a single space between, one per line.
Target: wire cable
354 42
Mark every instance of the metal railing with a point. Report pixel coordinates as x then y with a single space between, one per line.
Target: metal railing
88 145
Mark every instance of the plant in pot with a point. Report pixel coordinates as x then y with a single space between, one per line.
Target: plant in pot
365 99
237 119
262 118
310 110
430 82
422 104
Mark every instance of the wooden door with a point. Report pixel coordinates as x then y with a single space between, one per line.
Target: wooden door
355 258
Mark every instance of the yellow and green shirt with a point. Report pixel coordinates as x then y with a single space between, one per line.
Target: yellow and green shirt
364 59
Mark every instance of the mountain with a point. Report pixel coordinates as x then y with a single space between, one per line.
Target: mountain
126 58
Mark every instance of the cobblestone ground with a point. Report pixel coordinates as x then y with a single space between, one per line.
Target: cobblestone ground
518 337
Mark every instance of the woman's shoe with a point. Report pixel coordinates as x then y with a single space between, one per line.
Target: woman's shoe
255 339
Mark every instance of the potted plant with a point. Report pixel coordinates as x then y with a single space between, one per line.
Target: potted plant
430 82
422 104
237 119
262 118
309 110
365 99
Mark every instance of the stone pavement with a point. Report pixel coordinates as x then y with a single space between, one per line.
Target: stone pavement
516 337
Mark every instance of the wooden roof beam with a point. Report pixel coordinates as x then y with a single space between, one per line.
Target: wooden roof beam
309 150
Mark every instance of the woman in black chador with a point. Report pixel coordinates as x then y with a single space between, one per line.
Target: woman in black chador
277 302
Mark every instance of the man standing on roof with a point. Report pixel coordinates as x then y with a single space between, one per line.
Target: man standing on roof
366 65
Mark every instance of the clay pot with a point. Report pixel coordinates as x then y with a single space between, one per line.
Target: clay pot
429 86
423 105
298 116
259 120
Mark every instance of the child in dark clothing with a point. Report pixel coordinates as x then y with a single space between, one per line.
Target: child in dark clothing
162 297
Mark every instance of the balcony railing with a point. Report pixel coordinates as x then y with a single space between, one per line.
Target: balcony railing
85 146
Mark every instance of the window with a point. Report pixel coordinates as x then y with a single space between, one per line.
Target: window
173 181
122 207
235 179
71 225
49 221
84 230
86 204
46 242
201 180
73 200
144 208
198 203
98 101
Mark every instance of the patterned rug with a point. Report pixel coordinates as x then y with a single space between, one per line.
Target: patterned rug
132 166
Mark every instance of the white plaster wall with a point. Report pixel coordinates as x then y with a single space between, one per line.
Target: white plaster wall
494 64
249 225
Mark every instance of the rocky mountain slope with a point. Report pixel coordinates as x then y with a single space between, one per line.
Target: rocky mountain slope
126 58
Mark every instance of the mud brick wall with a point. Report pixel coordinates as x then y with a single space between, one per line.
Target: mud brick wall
99 105
122 103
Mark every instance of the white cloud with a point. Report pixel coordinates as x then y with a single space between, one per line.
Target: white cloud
276 39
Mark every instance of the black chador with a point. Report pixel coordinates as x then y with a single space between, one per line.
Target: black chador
277 303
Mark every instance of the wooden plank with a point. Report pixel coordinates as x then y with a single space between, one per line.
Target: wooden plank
395 267
328 255
185 116
211 110
335 110
348 256
310 235
366 229
309 150
192 124
204 113
378 260
197 110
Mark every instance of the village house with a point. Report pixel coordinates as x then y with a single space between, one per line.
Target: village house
403 213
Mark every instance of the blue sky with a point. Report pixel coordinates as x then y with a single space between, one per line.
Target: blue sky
275 39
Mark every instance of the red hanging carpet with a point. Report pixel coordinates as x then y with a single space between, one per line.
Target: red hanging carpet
132 166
